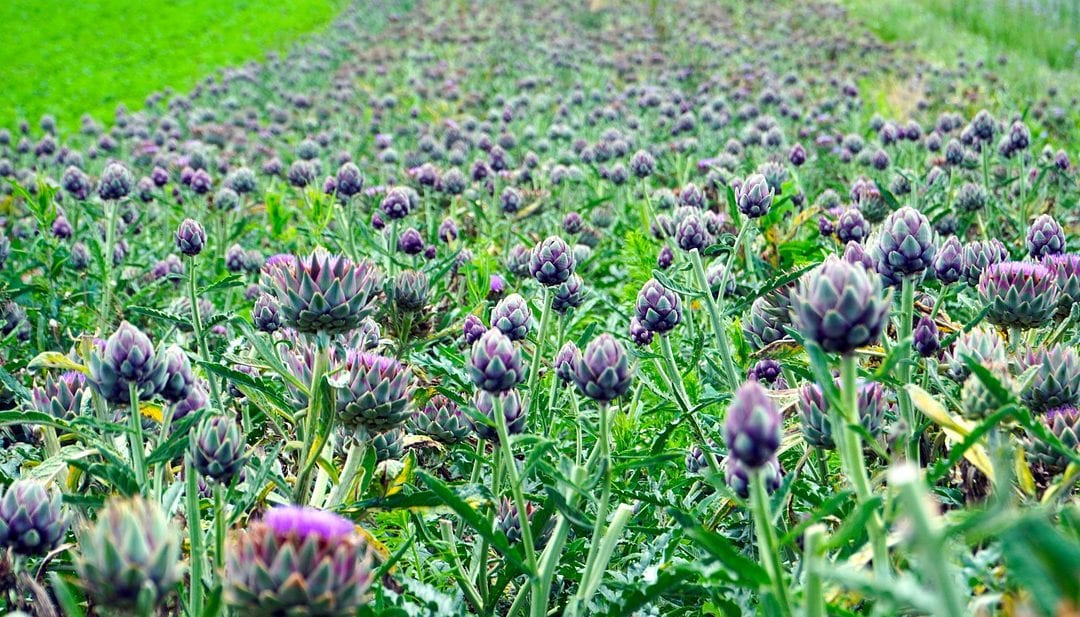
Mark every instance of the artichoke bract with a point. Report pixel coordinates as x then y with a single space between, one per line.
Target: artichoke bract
411 290
569 295
322 292
219 449
948 263
1063 423
982 343
1056 382
979 255
298 561
495 365
737 476
1066 269
442 420
566 360
512 317
128 358
61 397
373 392
514 411
603 371
32 520
129 558
1019 294
658 308
840 306
752 427
905 247
551 262
769 315
813 412
178 376
1045 237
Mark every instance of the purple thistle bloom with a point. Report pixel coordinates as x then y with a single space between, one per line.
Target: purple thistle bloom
305 521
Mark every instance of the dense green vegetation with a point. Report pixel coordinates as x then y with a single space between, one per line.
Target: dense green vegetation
69 58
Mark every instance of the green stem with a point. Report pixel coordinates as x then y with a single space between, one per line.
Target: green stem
515 484
471 593
766 537
814 565
717 322
219 528
311 420
107 276
195 538
200 338
684 401
159 470
138 446
907 410
348 473
604 454
549 559
852 454
541 337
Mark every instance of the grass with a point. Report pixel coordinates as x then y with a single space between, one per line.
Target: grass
67 58
1039 37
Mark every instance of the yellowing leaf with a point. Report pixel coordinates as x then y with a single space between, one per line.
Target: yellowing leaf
1023 473
57 360
381 551
152 410
954 427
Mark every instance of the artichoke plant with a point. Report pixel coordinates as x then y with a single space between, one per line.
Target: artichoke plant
298 561
813 411
737 475
1056 381
61 397
129 558
769 315
512 317
127 358
657 308
495 365
981 343
603 371
752 427
1066 269
32 520
551 261
1063 423
322 292
513 408
373 392
905 246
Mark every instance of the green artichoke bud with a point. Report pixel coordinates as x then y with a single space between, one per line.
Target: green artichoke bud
1056 382
442 420
982 344
977 401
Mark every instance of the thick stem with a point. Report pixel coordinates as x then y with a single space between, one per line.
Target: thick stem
107 276
814 565
851 453
907 410
719 331
348 473
541 338
200 338
311 420
159 470
767 543
138 446
471 593
195 538
515 484
603 449
219 528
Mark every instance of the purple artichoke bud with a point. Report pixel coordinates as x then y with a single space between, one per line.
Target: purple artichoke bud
642 164
241 180
906 243
495 365
813 412
658 308
512 317
947 225
1056 382
235 258
639 334
190 237
766 371
61 397
977 401
663 226
855 254
473 329
395 204
566 360
572 223
218 451
948 263
266 314
1045 237
441 420
852 226
982 344
377 222
665 258
300 174
752 428
61 228
769 315
1063 423
569 295
32 521
691 196
1019 136
373 392
1020 295
130 556
737 476
551 262
754 198
971 197
128 358
603 373
453 182
201 183
508 520
714 275
696 458
116 182
226 200
178 376
797 155
410 242
322 292
1066 269
411 291
925 338
691 233
978 255
517 260
76 183
514 410
298 561
510 200
1061 160
197 399
840 307
448 230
